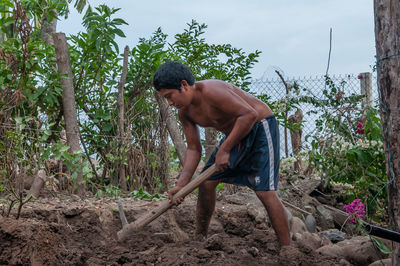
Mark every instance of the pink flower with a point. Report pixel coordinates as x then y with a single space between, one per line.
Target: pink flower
356 210
360 76
360 131
359 126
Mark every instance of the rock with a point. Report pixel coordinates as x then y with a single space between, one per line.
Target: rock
242 198
297 226
308 241
308 185
333 235
331 250
359 250
256 213
386 262
311 223
289 215
326 218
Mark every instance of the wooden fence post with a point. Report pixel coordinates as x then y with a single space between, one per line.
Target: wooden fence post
366 88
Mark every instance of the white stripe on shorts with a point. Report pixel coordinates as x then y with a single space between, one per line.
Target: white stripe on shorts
271 155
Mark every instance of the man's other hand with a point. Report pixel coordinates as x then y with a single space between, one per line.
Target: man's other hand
221 160
171 194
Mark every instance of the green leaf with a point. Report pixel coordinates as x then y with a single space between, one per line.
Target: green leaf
382 247
18 120
98 43
110 156
74 175
63 148
118 21
115 45
119 32
99 193
79 5
107 127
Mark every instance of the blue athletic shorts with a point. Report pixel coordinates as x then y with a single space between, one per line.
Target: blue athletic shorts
254 162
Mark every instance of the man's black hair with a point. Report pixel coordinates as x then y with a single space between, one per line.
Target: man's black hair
170 75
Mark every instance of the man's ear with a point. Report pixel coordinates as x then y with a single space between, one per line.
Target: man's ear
184 84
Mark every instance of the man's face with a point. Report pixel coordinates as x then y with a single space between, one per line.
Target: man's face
174 97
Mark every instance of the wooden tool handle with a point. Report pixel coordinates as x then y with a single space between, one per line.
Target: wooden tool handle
128 229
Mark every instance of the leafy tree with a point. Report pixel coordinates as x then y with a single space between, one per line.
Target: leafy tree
32 93
212 61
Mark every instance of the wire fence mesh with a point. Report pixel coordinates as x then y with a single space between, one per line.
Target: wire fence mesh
351 84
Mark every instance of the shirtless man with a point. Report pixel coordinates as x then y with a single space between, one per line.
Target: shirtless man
247 155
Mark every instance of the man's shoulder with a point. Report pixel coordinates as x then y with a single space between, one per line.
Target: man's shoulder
211 83
211 86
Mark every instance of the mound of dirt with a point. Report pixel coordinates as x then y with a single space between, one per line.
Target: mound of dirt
70 231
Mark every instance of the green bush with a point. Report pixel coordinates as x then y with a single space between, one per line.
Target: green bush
348 148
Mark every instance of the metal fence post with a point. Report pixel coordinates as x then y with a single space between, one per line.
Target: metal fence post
366 88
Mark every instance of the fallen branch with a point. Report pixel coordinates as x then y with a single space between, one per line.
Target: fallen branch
295 207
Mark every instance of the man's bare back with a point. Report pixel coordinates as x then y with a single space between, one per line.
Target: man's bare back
204 112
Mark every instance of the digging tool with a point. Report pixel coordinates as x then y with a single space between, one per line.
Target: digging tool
130 228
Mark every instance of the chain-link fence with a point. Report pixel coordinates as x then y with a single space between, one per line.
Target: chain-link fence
276 89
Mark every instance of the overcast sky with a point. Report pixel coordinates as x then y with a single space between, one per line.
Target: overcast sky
292 35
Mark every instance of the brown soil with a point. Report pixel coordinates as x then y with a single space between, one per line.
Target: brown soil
70 231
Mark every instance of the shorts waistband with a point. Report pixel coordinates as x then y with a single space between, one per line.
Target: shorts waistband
268 118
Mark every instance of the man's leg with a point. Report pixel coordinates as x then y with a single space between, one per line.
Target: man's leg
276 214
205 206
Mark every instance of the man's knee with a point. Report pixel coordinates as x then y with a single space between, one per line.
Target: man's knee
267 196
208 186
266 193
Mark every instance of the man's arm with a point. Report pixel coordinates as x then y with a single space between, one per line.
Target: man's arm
192 155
